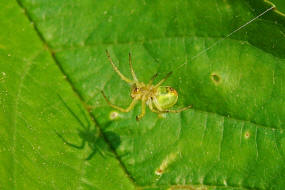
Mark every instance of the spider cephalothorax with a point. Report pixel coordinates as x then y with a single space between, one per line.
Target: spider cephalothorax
158 98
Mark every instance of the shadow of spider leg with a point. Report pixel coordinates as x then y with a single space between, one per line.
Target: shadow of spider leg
70 144
89 134
92 145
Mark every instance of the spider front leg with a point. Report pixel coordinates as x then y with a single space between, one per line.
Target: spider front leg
133 103
162 81
152 78
117 70
132 69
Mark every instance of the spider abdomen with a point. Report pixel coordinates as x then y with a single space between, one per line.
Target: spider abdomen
165 97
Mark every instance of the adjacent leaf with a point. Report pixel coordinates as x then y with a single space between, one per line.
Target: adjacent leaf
32 156
233 138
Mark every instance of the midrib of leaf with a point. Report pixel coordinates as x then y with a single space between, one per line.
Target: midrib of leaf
263 127
52 53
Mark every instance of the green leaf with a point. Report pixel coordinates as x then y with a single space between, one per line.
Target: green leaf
53 66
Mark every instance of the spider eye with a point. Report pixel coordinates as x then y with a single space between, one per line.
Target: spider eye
136 90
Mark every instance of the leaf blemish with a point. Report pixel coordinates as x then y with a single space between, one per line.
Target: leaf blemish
3 76
165 163
215 78
246 135
158 171
113 115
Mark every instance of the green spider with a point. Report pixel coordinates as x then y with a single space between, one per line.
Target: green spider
158 98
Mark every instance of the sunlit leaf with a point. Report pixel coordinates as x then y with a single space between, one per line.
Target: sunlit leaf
58 132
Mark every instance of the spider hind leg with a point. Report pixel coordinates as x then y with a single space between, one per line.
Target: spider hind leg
178 110
160 111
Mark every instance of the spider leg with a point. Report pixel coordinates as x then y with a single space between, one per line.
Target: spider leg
132 70
160 110
138 117
152 78
159 113
162 81
133 103
117 70
178 110
152 108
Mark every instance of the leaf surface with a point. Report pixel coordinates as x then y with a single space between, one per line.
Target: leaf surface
54 68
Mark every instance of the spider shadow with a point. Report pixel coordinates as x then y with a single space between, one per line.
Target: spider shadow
90 135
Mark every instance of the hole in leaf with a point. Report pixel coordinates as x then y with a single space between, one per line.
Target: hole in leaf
215 78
